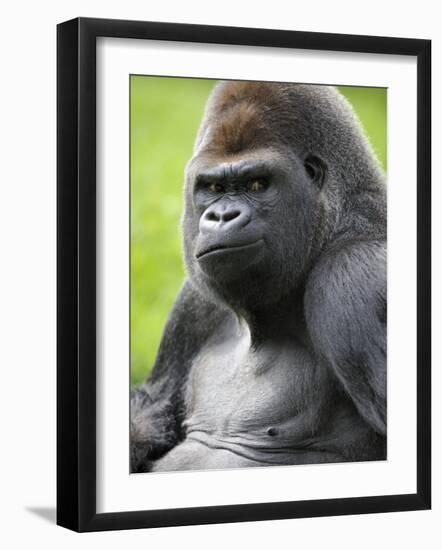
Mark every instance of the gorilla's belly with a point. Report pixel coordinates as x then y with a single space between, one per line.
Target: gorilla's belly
193 454
249 408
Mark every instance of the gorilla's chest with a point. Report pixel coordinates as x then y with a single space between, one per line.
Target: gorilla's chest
237 392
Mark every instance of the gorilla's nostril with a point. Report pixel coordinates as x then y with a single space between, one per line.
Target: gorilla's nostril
231 215
212 216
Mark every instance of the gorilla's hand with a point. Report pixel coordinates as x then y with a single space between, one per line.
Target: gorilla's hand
152 429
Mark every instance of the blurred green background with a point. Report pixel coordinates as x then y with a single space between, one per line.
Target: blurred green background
164 115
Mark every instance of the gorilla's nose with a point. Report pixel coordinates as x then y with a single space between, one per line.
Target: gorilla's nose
224 217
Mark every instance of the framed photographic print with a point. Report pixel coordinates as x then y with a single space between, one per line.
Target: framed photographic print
237 210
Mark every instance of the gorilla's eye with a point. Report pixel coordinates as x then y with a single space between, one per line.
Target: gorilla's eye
315 169
257 186
216 187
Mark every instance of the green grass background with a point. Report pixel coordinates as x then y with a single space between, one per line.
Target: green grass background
165 114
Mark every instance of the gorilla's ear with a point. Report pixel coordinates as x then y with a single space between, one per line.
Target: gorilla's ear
315 169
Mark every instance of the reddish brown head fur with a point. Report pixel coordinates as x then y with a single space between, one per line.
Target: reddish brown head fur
237 122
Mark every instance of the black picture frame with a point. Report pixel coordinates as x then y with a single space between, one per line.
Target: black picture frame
76 273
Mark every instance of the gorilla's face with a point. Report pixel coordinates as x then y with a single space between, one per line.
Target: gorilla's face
249 222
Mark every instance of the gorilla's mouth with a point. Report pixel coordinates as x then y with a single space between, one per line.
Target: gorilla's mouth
226 248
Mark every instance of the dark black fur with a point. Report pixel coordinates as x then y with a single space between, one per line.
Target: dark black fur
319 278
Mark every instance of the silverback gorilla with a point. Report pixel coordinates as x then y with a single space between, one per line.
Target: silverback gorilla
275 350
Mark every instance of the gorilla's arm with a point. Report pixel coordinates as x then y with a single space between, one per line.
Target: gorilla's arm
156 405
345 308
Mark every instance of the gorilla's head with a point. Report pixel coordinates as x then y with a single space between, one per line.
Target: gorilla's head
279 172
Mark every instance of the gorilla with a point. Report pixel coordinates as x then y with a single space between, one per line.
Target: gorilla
275 350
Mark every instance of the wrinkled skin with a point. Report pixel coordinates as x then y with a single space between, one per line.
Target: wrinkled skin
275 351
